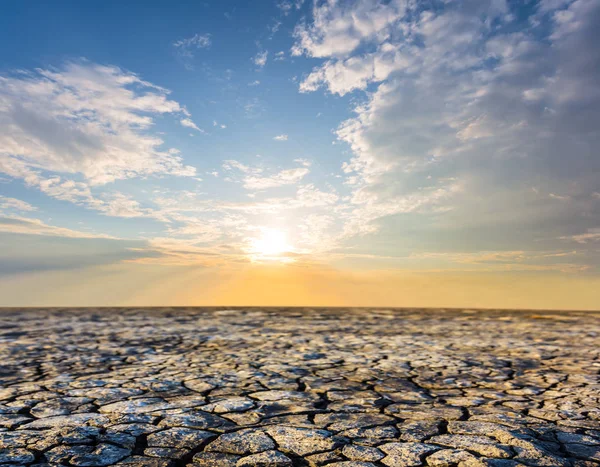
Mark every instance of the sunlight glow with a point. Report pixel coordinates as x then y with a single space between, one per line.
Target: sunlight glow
271 245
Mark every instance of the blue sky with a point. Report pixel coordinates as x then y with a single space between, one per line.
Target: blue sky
394 137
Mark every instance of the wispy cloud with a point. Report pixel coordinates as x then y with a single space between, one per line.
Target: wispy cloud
198 41
188 123
260 59
284 177
287 6
186 47
592 235
84 118
255 179
22 225
281 138
7 203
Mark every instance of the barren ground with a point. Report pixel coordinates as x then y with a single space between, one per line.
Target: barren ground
299 387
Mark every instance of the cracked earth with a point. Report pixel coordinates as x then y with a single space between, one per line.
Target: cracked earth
298 387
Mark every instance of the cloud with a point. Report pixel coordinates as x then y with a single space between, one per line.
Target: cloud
592 235
185 47
284 177
255 180
304 162
281 138
86 119
113 203
198 41
338 28
464 111
253 107
311 196
120 205
233 164
286 6
260 59
15 204
188 123
561 261
22 225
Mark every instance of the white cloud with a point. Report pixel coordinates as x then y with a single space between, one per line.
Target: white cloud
15 204
188 123
284 177
120 205
113 204
199 41
260 59
338 28
185 47
88 119
233 164
286 6
281 138
304 162
453 93
310 196
22 225
254 178
592 235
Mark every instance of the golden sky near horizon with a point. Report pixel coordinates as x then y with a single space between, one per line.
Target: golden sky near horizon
289 285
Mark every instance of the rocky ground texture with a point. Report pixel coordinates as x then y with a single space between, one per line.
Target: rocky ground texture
299 387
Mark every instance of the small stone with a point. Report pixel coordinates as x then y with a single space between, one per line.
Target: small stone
135 406
16 456
165 453
265 459
69 420
357 452
242 442
591 453
353 464
143 461
418 430
215 459
324 458
238 404
405 454
479 444
450 457
178 438
101 455
302 441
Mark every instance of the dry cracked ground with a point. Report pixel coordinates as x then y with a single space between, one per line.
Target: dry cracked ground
298 387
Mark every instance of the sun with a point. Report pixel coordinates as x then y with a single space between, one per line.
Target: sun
271 244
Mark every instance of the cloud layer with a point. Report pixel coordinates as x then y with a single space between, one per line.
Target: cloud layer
487 115
84 119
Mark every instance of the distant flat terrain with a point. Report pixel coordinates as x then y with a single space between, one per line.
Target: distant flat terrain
299 387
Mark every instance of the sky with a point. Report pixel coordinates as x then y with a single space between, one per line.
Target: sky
294 152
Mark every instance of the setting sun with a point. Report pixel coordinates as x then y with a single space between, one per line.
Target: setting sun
271 245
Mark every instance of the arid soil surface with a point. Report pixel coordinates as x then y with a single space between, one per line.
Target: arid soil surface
299 387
